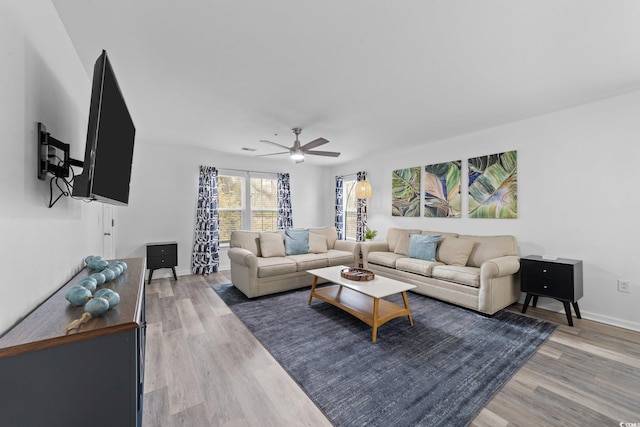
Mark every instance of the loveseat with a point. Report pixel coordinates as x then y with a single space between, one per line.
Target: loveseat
270 262
477 272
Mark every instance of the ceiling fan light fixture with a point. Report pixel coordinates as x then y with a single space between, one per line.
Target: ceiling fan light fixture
297 155
298 151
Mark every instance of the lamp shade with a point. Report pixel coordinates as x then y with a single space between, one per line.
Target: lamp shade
363 189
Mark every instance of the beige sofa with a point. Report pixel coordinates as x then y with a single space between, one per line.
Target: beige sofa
259 265
477 272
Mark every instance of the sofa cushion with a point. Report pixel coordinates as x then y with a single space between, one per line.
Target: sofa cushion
275 266
307 261
454 273
489 247
248 240
336 257
454 251
384 258
402 246
296 242
271 245
395 234
329 232
417 266
317 243
423 246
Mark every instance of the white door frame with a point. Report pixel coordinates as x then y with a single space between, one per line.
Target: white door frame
108 231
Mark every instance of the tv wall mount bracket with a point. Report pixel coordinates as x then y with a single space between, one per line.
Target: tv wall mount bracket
53 155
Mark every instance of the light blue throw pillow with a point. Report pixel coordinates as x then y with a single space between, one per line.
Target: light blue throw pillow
296 242
423 246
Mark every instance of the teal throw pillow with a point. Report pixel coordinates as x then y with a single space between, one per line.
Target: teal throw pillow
423 246
296 242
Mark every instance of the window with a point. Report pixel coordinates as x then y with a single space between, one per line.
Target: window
246 201
350 209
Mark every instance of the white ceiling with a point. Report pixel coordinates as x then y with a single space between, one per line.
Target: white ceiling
365 74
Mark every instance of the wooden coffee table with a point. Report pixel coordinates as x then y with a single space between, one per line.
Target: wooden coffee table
362 299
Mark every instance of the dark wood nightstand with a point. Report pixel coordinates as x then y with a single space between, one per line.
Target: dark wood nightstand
162 255
559 278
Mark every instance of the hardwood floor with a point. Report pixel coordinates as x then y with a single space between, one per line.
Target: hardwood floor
204 368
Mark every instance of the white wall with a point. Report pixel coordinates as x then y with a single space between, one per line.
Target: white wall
164 194
577 195
575 172
41 80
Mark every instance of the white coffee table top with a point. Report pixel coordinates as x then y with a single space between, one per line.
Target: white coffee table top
379 287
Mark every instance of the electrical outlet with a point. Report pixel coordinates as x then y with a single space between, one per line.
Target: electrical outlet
624 286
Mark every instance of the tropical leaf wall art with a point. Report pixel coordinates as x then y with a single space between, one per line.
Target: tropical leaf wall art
442 190
405 192
493 186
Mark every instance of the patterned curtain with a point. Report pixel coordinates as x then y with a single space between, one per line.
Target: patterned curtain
205 259
339 208
285 213
361 213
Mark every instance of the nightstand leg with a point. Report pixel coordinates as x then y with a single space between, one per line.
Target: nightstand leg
174 273
577 309
535 301
150 275
567 310
526 303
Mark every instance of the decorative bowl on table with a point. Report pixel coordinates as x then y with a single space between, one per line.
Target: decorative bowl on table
357 274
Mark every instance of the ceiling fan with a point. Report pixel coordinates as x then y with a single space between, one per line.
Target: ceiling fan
298 151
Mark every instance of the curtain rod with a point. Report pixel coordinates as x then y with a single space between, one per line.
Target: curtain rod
245 170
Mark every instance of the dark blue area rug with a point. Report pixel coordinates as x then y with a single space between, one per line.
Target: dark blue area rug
440 372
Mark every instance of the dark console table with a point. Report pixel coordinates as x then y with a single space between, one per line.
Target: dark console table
162 255
92 375
560 278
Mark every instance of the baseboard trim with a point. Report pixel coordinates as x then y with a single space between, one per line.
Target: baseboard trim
556 307
621 323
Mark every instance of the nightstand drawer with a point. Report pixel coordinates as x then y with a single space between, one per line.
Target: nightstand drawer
547 270
167 261
546 287
162 250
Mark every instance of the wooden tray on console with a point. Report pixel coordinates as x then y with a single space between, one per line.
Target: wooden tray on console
357 274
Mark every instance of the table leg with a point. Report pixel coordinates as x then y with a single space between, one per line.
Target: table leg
527 300
313 288
406 305
376 302
567 310
577 309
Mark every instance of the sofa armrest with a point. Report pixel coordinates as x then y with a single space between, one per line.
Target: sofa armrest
367 247
349 246
243 257
244 271
499 267
381 246
346 245
499 283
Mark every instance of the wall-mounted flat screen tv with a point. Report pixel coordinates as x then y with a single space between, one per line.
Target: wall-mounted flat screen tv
108 153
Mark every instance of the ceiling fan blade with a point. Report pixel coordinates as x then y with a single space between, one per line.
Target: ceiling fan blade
272 154
274 143
323 153
315 143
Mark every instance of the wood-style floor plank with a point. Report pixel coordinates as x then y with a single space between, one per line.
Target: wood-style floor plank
204 367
